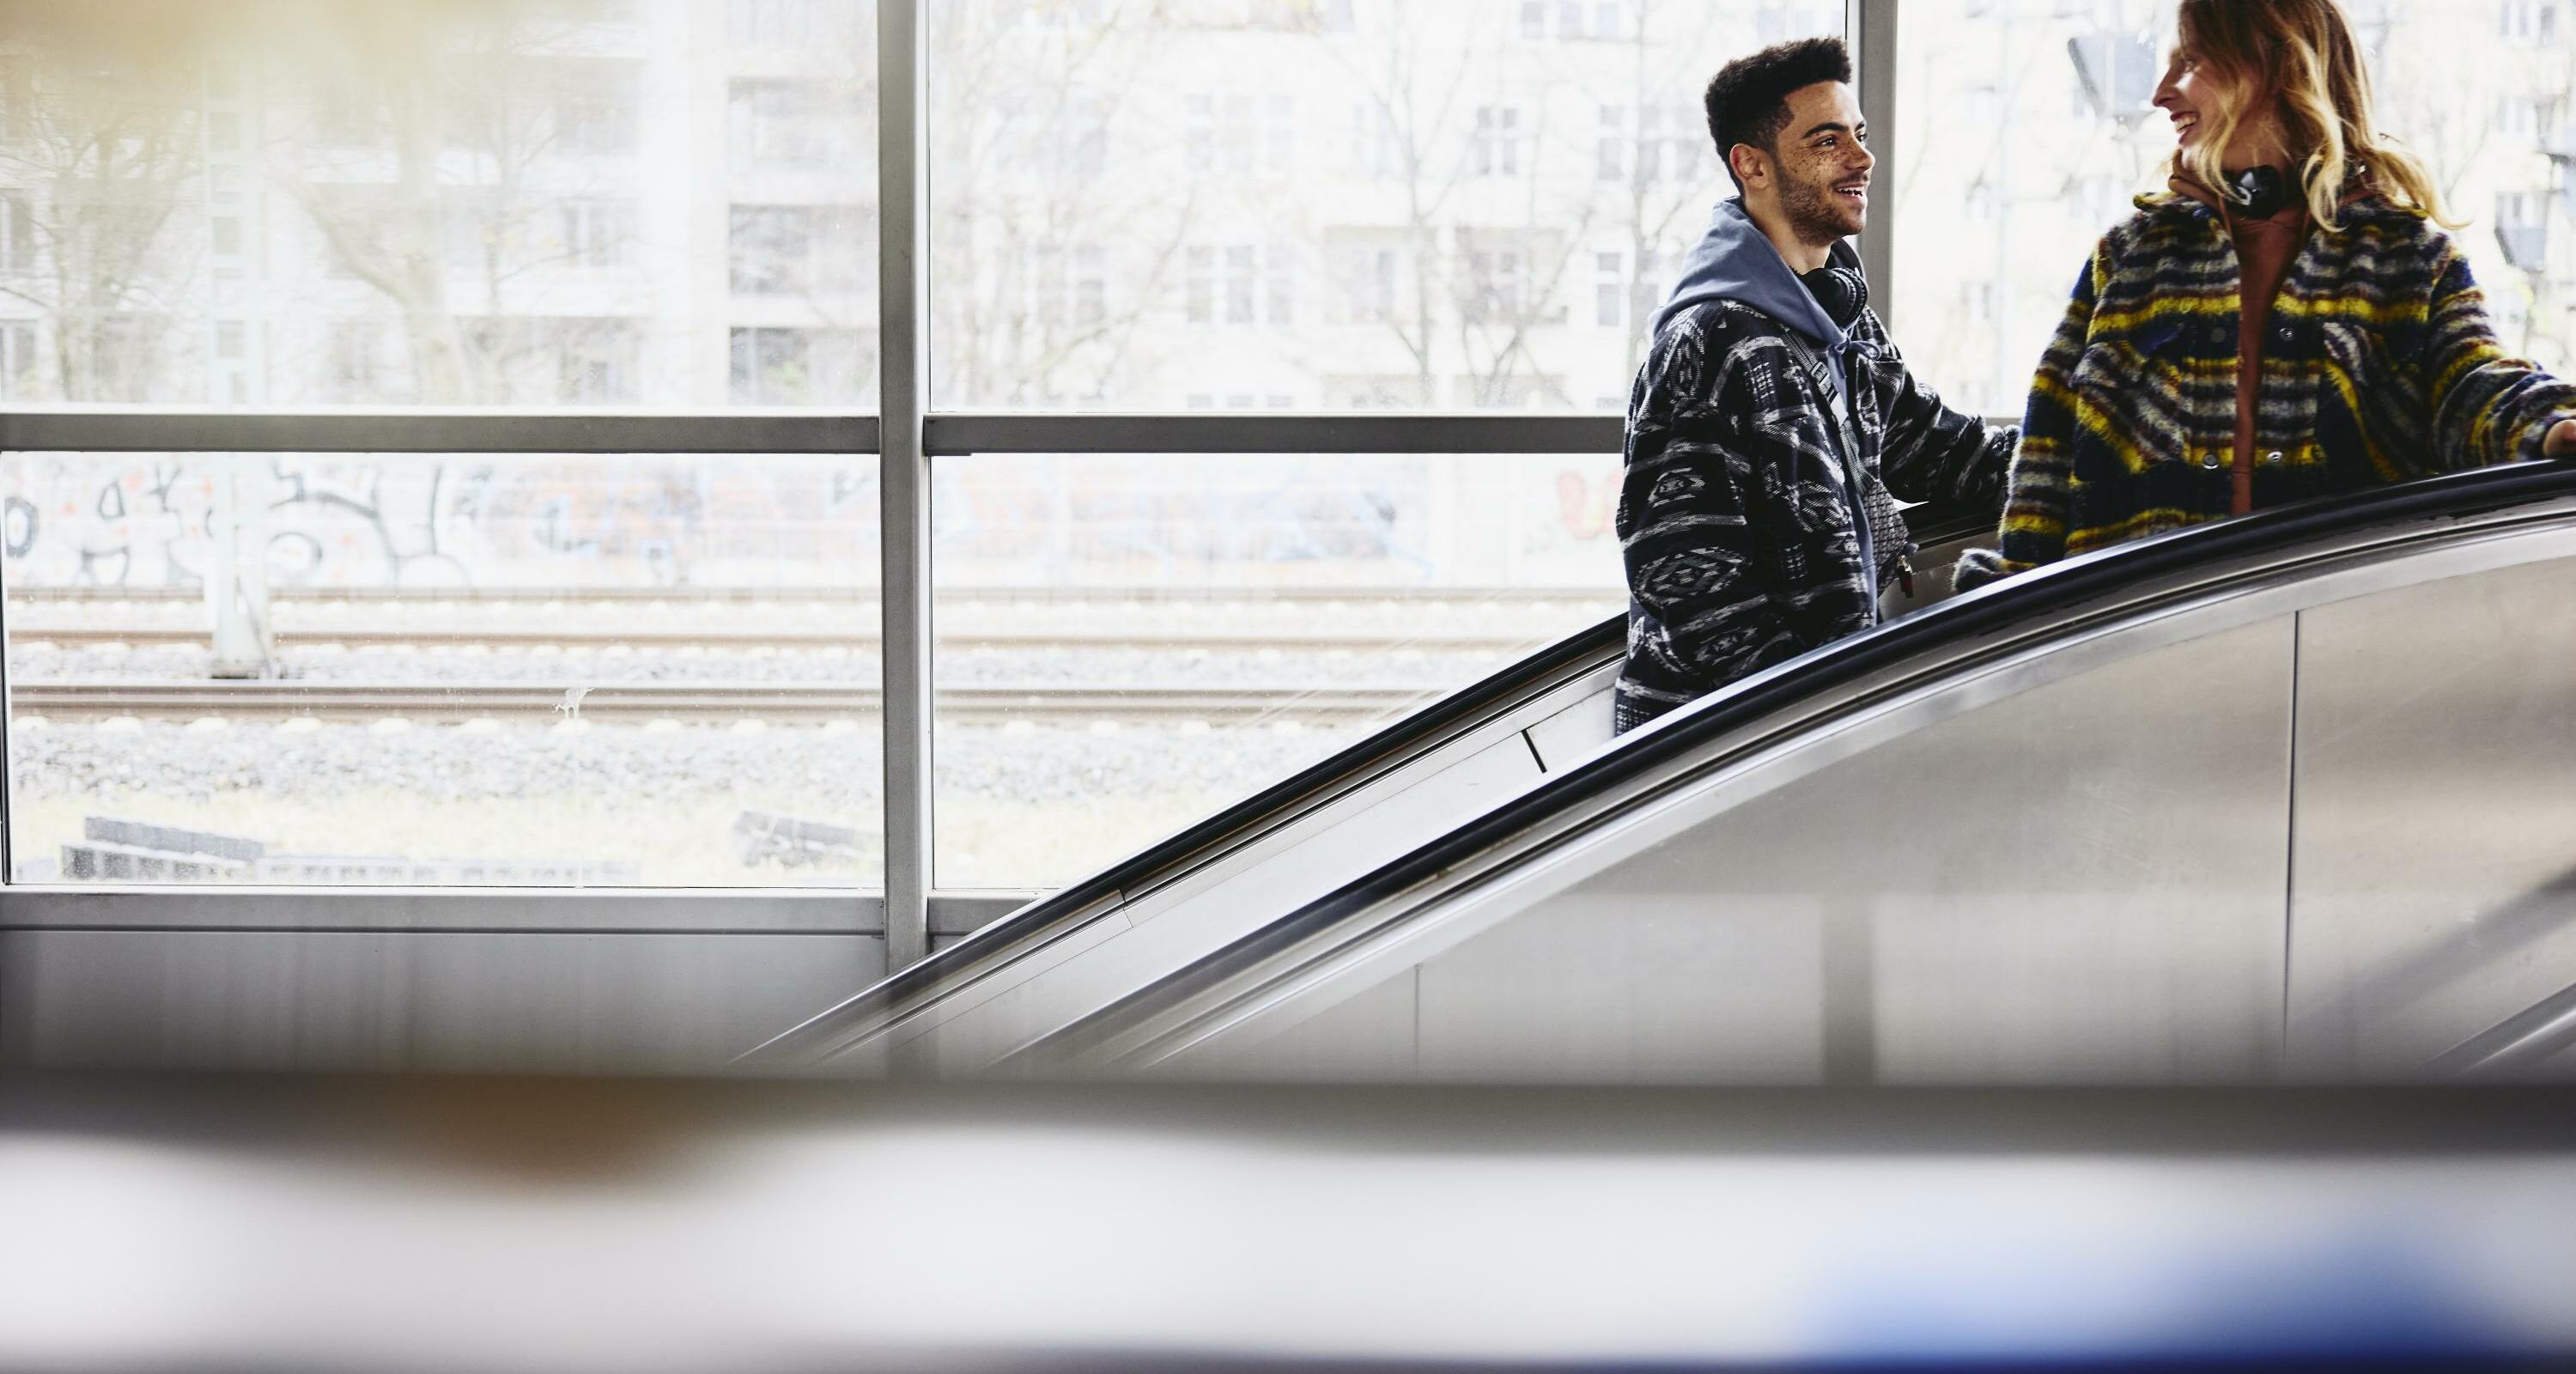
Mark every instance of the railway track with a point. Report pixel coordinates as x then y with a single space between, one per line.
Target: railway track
779 596
517 703
1465 620
807 639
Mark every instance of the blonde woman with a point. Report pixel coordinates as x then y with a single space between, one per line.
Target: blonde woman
2287 322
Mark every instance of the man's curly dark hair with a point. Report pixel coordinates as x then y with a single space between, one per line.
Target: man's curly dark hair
1748 100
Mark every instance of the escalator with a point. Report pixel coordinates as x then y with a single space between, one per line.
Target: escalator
1040 968
2285 798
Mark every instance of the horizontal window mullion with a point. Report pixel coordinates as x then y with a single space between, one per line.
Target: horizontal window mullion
955 434
530 910
509 910
179 431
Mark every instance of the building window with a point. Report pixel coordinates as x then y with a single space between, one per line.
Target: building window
796 250
1238 135
788 124
357 362
598 112
1366 277
18 239
2526 118
1609 290
1646 288
597 361
467 233
1377 145
1984 106
1074 141
1059 288
2529 21
790 367
125 361
1495 150
232 340
1242 272
2522 229
1575 21
1977 302
15 98
1240 285
1497 285
599 233
17 360
771 252
1610 160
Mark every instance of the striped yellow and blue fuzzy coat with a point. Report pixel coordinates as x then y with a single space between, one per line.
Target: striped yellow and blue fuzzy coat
2379 367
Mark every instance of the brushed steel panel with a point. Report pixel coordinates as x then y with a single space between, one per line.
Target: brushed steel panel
2084 881
411 1000
1168 929
2435 868
1624 980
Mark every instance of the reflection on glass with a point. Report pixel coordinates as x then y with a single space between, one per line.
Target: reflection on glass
2026 129
1126 644
1452 204
442 670
529 203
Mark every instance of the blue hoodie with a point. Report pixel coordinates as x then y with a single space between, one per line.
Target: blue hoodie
1735 262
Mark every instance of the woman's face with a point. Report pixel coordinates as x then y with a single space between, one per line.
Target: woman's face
2187 93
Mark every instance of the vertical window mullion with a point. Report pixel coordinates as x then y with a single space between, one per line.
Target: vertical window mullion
904 481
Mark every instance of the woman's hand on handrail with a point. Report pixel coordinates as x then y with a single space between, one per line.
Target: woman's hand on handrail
2561 441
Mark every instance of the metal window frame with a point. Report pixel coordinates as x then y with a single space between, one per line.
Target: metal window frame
905 435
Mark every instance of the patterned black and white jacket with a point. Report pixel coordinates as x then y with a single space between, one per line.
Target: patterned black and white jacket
1742 545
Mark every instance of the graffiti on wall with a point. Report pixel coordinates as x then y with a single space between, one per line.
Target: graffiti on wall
100 520
110 521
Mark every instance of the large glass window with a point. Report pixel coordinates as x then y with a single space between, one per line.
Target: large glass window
2026 131
443 669
525 204
1126 644
1351 206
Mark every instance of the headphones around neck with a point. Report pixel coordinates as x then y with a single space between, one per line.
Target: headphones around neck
2258 192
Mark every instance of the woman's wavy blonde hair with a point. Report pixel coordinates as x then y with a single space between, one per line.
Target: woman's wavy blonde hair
2301 53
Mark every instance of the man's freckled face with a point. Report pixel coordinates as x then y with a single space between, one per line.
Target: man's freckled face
1825 163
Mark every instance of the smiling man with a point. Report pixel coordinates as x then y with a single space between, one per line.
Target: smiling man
1773 418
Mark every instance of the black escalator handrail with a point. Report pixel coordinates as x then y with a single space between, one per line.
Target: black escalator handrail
2026 597
1932 523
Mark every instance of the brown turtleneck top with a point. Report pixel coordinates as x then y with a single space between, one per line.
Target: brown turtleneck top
2265 248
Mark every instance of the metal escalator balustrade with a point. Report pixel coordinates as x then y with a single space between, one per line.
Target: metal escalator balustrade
1067 954
2236 804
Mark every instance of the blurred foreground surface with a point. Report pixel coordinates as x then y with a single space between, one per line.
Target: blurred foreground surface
345 1223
